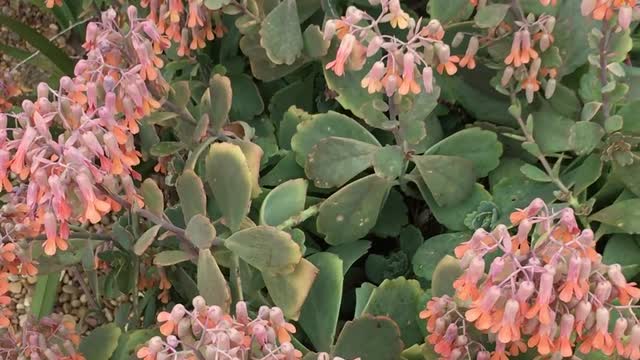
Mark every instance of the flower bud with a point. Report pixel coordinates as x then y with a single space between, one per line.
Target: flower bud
625 16
588 6
329 29
457 40
374 45
550 88
507 74
427 79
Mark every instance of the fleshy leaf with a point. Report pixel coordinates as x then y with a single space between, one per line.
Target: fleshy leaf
319 316
211 283
266 248
333 161
229 178
280 34
283 202
352 211
290 291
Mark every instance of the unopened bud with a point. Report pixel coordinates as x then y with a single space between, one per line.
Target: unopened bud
550 88
457 40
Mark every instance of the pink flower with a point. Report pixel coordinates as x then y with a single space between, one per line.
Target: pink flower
346 46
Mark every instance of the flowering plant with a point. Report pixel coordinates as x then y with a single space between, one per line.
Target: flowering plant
242 179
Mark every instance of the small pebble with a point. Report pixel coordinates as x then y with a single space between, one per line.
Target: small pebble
69 289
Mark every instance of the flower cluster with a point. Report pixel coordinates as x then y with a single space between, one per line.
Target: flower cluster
553 294
206 332
524 67
8 90
188 25
394 71
52 337
63 154
606 9
75 141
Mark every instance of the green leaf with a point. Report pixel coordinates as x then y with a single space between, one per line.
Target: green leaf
623 249
170 257
101 343
629 175
410 240
448 11
180 93
392 217
589 110
45 295
229 178
333 161
280 34
453 216
413 119
349 253
266 248
166 148
39 42
220 95
200 231
286 169
443 276
491 15
162 118
586 174
623 215
321 126
319 316
434 249
253 154
283 202
363 294
211 283
352 211
479 146
192 196
389 162
552 132
145 240
261 65
534 173
369 338
379 267
570 36
315 46
215 4
585 137
153 197
450 179
398 299
290 291
246 101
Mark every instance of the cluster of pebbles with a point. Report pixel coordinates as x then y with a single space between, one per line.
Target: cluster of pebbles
28 75
72 301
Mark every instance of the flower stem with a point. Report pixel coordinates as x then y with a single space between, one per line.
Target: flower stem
603 51
300 218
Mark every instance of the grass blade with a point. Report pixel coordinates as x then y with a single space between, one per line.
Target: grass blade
46 47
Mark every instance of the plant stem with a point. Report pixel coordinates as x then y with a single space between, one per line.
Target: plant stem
80 280
80 235
603 50
543 160
300 218
236 281
164 223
